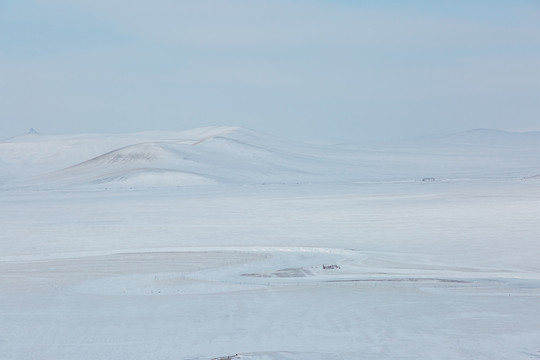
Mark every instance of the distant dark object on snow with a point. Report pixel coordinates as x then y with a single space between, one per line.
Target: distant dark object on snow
33 131
229 357
330 267
428 179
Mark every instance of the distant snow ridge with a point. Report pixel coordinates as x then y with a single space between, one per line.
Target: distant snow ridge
199 156
491 137
224 154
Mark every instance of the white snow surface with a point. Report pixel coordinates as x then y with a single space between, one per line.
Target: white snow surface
222 243
233 155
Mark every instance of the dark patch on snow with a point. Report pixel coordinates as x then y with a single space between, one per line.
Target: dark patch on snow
228 357
331 267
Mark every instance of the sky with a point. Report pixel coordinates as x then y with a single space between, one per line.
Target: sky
322 70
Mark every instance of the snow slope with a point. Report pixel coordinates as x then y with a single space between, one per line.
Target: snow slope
447 270
35 153
347 255
236 155
206 155
222 155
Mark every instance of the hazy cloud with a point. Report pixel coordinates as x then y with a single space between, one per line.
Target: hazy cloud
340 70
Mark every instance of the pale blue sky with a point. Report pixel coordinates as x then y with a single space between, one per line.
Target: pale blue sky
319 69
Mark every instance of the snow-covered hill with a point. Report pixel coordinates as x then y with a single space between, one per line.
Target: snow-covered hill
223 154
215 155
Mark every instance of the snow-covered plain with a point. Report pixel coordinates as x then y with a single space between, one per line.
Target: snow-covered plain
222 243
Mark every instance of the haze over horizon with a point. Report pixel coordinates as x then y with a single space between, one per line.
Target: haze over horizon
308 70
